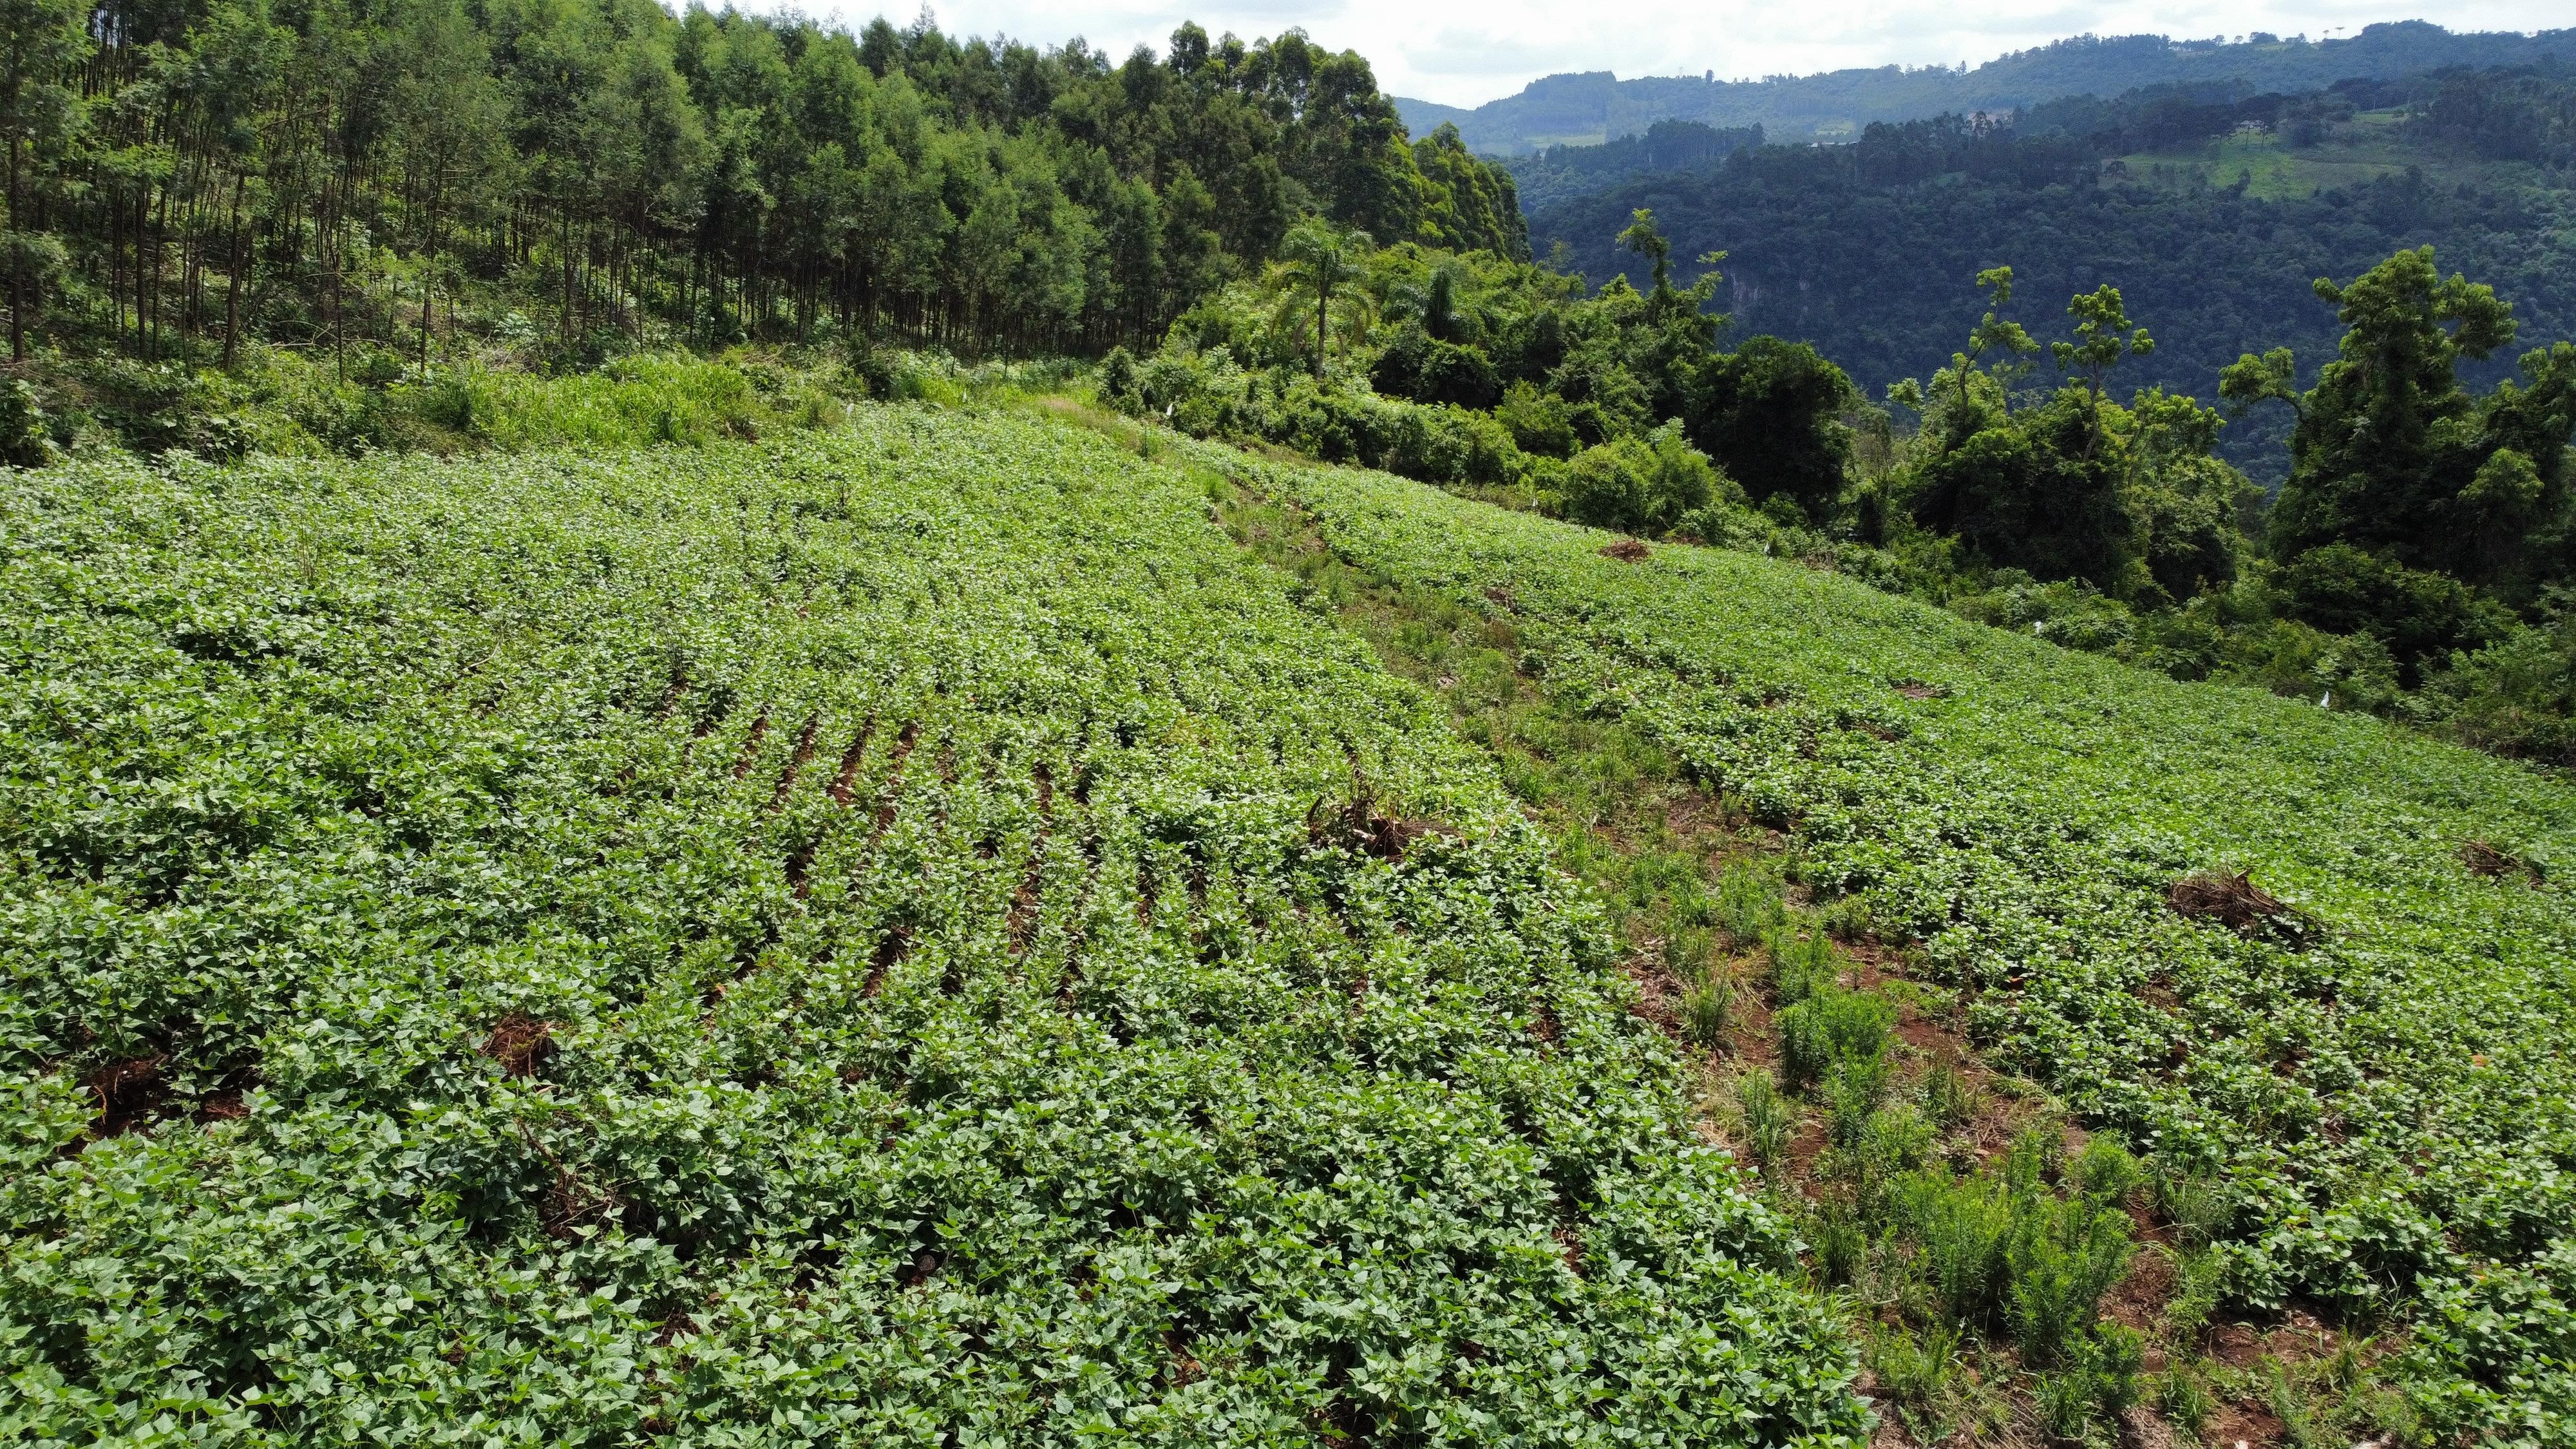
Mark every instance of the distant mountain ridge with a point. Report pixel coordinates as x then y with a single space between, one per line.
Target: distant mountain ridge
1595 106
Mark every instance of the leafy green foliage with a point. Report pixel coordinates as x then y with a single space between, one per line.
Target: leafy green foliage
2021 811
599 176
2393 456
1771 414
1868 252
2420 615
2032 492
1640 485
1833 1033
1562 172
23 440
1503 378
884 932
1748 907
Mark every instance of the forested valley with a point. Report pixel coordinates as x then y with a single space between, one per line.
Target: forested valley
2212 208
1592 107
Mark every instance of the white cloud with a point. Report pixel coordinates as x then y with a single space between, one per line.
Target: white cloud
1462 52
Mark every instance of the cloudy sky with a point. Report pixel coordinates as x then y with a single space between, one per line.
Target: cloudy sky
1462 52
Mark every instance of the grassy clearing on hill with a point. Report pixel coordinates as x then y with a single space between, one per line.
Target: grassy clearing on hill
902 935
2359 1094
2275 170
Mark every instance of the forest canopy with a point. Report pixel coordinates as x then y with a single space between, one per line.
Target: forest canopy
1867 250
183 177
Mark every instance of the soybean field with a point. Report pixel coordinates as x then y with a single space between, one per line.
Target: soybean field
2319 970
950 931
910 937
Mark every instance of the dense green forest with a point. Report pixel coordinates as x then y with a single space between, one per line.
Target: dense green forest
1596 106
1867 251
1562 173
594 174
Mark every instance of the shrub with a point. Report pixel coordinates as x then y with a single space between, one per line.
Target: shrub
2029 492
1915 1372
2517 696
1893 1141
1540 423
2105 1173
1963 1227
1949 1098
1853 1090
1118 381
2421 616
1802 962
2070 612
1449 445
2062 1257
1425 369
2355 671
2097 1382
1639 485
2188 513
1840 1241
1771 411
2199 1280
2064 1402
2183 1398
2119 1355
23 443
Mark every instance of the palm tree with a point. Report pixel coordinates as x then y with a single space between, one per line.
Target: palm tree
1319 261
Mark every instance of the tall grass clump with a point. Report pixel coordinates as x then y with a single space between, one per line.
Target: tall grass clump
1747 906
1831 1033
1769 1118
644 399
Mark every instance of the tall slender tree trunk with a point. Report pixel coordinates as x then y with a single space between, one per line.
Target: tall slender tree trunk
428 272
1323 301
155 230
567 271
18 289
233 270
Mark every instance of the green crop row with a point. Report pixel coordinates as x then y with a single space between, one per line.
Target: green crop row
2364 1073
903 936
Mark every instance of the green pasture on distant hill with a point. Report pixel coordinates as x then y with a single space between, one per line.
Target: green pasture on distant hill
2273 170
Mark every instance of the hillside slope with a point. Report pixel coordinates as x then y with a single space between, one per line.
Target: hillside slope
2375 1082
1595 106
901 935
